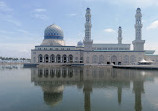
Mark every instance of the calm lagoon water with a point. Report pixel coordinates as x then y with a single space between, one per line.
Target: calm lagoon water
77 89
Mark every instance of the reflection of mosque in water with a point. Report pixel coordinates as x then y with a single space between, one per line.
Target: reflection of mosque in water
52 81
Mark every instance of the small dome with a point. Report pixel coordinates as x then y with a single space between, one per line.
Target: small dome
53 32
88 8
80 44
138 9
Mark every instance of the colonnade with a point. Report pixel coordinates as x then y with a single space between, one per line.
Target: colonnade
55 58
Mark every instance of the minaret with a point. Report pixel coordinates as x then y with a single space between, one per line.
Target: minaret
87 39
120 35
138 43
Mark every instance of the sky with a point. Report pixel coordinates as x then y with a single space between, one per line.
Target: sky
22 22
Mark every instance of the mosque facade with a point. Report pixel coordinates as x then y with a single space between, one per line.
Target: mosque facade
53 50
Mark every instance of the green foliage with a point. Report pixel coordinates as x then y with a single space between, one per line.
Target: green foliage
11 58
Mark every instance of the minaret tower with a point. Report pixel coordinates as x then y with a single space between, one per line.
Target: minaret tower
120 35
138 43
87 39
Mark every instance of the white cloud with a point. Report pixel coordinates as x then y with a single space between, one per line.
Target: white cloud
152 46
110 30
23 31
135 3
4 7
40 10
41 16
40 13
6 14
26 33
16 50
6 32
153 25
13 21
72 14
71 42
142 3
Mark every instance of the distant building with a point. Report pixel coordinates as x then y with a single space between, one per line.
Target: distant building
53 50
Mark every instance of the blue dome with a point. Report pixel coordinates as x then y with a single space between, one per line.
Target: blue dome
80 44
53 32
138 9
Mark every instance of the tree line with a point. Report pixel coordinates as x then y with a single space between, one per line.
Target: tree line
11 58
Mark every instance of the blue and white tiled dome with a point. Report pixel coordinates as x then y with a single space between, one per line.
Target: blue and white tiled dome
53 32
80 44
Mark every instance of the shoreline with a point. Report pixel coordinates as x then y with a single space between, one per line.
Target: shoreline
11 63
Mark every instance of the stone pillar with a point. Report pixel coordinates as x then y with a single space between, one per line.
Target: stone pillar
61 60
49 59
43 60
55 59
67 59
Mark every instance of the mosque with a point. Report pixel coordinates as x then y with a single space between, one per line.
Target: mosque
53 50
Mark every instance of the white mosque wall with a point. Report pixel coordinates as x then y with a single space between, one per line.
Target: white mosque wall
57 57
111 46
153 58
115 57
61 57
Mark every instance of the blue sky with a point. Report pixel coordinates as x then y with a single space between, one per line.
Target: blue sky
22 22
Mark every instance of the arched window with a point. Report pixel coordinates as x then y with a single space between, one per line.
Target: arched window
40 58
46 58
52 58
58 58
81 59
101 59
70 58
87 60
34 60
64 58
126 59
76 59
132 59
94 59
114 59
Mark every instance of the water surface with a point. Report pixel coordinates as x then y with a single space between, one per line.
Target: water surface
77 89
